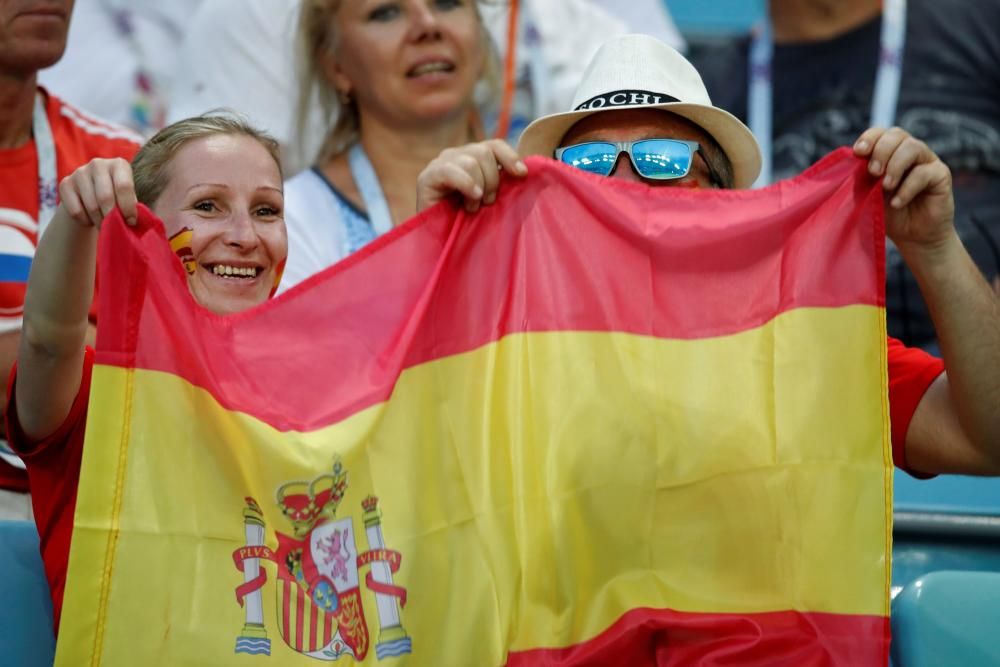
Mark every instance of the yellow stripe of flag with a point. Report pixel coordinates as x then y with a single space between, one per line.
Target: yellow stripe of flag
527 514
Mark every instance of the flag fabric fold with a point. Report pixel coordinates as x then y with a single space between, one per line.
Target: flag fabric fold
595 423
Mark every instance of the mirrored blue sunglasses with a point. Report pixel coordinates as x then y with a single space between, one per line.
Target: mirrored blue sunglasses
656 159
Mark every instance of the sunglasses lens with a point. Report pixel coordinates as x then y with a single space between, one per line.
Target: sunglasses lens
597 158
662 159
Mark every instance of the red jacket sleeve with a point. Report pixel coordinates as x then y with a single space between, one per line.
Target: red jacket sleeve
911 372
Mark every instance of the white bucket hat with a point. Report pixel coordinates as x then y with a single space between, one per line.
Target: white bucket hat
640 72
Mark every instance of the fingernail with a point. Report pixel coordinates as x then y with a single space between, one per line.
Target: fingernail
887 182
477 192
521 167
896 202
490 198
875 167
862 145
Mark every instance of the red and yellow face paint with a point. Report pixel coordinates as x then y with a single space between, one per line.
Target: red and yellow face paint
180 243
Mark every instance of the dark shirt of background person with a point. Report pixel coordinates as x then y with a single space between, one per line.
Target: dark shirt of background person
949 97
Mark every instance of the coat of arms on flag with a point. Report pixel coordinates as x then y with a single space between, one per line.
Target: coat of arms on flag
319 611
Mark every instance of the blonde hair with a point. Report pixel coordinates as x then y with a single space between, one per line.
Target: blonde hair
149 166
316 39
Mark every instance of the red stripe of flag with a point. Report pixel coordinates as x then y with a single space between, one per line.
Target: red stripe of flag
300 620
286 612
313 646
560 251
667 638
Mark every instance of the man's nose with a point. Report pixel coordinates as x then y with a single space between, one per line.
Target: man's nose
624 170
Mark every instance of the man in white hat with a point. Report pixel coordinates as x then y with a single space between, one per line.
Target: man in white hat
640 98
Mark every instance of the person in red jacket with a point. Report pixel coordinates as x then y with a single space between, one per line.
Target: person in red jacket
42 140
945 416
215 183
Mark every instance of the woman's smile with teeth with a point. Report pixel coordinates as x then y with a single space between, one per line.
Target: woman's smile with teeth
234 271
427 68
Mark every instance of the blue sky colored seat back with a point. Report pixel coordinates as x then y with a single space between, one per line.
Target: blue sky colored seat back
947 618
25 609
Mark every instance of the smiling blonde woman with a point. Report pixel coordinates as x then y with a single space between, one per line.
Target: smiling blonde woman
215 182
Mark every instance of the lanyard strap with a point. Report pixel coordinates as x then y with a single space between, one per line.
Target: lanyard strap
48 190
48 186
147 110
509 71
539 66
525 51
890 64
760 109
379 216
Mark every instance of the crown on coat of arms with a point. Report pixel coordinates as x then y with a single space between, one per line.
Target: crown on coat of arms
306 503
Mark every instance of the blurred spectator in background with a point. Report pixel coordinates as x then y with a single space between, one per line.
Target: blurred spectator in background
240 54
119 58
398 80
42 140
821 71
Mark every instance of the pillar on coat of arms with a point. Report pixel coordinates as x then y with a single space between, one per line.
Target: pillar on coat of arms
253 638
392 638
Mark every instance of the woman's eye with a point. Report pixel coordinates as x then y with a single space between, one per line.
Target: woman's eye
205 206
268 212
449 4
384 13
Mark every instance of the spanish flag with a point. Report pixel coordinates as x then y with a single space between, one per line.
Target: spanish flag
594 424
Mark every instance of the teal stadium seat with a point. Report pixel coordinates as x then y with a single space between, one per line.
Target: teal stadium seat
947 618
717 18
26 638
948 523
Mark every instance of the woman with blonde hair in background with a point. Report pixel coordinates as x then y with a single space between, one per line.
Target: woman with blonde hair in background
399 77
